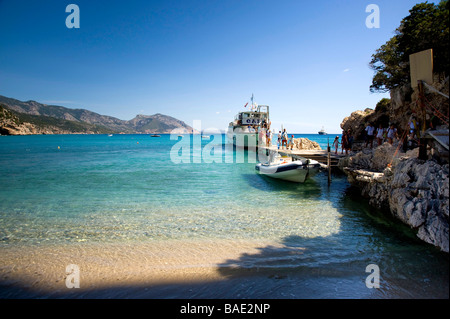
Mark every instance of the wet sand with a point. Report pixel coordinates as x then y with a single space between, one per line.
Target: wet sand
147 270
183 269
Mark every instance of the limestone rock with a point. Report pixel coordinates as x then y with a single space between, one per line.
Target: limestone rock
306 144
415 191
356 122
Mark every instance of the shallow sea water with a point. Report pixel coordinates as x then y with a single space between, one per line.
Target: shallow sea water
316 239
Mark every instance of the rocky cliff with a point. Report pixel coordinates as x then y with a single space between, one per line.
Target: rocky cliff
415 191
400 109
392 177
11 125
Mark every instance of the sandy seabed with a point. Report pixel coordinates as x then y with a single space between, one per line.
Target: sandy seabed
196 269
170 269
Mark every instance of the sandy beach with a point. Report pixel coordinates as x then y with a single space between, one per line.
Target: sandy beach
145 270
219 269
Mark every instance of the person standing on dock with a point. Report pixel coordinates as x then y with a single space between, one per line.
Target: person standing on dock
291 142
336 144
268 136
279 139
284 139
262 135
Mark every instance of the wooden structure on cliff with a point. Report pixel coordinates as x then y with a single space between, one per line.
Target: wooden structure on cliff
421 72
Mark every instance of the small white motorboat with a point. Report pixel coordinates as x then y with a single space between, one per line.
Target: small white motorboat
287 169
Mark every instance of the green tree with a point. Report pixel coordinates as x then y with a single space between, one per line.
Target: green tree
383 105
427 26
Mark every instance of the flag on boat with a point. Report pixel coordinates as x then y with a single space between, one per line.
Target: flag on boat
253 103
246 104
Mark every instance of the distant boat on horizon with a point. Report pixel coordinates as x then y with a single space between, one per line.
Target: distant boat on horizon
322 131
155 135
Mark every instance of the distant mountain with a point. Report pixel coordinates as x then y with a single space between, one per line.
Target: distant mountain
57 119
158 123
14 123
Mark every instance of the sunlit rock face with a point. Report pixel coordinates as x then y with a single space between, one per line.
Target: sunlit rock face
415 191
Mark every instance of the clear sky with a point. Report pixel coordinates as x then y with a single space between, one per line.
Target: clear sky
198 60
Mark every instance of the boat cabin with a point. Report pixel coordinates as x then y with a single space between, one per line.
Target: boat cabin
253 117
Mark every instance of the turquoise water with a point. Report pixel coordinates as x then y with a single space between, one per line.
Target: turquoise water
59 188
72 189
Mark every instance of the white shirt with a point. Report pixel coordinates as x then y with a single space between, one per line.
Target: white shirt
380 132
370 130
391 132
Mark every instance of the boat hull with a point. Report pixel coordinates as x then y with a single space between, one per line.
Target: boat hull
242 139
296 171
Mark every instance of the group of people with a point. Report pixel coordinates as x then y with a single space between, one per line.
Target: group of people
346 142
381 134
283 140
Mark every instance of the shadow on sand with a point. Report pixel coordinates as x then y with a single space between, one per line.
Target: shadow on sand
295 268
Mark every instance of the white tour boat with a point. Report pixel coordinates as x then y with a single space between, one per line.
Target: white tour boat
243 131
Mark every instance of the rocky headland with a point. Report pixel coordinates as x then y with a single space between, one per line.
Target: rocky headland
11 124
392 177
31 117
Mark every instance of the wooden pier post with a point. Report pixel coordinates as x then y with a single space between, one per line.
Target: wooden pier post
329 163
422 139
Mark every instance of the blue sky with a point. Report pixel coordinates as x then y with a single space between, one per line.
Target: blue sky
198 60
